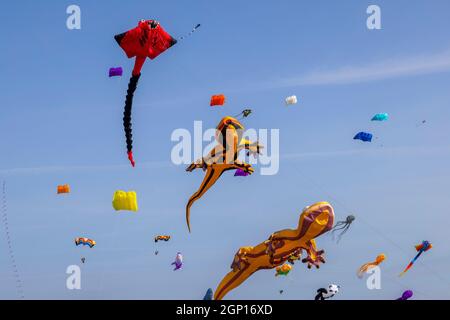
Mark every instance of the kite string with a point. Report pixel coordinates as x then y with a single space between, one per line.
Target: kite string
115 238
190 32
376 230
18 281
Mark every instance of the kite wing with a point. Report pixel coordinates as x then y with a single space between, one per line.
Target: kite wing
148 39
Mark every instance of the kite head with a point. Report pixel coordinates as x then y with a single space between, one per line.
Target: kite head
319 218
148 39
380 258
333 288
350 219
406 295
228 123
424 246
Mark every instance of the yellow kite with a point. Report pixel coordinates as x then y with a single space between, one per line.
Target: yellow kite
123 200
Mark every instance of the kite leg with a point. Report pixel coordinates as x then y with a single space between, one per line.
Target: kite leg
339 226
342 233
363 269
127 116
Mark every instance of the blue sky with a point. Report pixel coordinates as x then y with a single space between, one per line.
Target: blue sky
61 122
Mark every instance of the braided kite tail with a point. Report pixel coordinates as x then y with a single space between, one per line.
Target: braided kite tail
127 116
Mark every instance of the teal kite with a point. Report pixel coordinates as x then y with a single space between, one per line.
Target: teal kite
380 117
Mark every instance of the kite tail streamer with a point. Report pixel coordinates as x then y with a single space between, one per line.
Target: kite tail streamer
127 116
411 263
8 238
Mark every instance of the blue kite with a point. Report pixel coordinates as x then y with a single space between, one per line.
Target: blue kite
363 136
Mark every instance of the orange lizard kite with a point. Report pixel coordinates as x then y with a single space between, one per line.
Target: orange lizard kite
223 157
315 220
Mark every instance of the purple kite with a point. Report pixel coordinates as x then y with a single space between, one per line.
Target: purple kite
115 72
406 295
178 261
240 173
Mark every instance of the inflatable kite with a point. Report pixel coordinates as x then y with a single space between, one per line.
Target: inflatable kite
147 40
294 257
291 100
424 246
241 173
314 221
217 100
244 114
406 295
83 260
366 267
178 261
63 189
363 136
115 72
123 200
85 241
343 225
380 117
283 270
223 157
208 294
327 293
163 238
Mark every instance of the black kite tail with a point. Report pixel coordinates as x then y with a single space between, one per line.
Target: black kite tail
127 116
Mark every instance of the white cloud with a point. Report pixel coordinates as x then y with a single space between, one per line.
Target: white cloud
377 151
393 68
77 168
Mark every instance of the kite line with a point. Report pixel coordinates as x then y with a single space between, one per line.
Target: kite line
12 258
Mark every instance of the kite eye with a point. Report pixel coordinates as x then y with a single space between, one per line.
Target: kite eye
153 23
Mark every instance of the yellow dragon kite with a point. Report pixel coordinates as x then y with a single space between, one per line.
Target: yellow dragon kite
223 157
281 246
